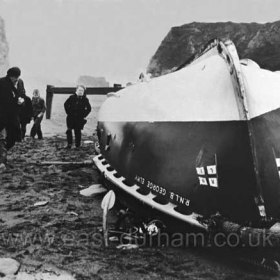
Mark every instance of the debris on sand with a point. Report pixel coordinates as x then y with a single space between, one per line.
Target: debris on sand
107 203
8 267
73 213
41 203
93 189
46 272
127 246
2 167
53 163
88 142
113 239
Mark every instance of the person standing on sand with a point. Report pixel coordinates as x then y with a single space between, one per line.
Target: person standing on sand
39 108
77 108
10 101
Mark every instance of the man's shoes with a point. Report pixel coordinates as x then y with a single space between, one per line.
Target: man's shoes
68 147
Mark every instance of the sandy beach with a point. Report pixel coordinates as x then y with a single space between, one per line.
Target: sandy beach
62 239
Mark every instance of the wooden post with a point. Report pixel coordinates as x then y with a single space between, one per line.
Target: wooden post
51 90
49 99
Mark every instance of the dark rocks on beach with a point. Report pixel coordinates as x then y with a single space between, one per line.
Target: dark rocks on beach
259 42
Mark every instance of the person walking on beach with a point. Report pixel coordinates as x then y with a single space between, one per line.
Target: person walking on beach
77 108
39 108
25 115
19 84
25 111
10 102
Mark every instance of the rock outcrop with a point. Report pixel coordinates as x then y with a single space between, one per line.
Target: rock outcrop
259 42
90 81
4 49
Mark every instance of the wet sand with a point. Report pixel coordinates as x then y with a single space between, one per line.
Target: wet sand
66 234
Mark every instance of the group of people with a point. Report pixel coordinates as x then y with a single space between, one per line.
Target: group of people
17 110
31 109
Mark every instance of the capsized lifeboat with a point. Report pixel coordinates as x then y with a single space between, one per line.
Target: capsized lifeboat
201 141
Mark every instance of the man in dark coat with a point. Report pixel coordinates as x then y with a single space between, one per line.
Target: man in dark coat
26 111
25 115
77 108
20 87
10 102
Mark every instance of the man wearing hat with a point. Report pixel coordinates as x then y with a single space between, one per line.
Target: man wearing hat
10 101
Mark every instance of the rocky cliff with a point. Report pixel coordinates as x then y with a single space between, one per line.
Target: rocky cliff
259 42
4 49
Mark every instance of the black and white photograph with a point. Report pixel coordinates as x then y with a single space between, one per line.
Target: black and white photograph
139 139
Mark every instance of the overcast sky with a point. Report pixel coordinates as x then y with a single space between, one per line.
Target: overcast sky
63 39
